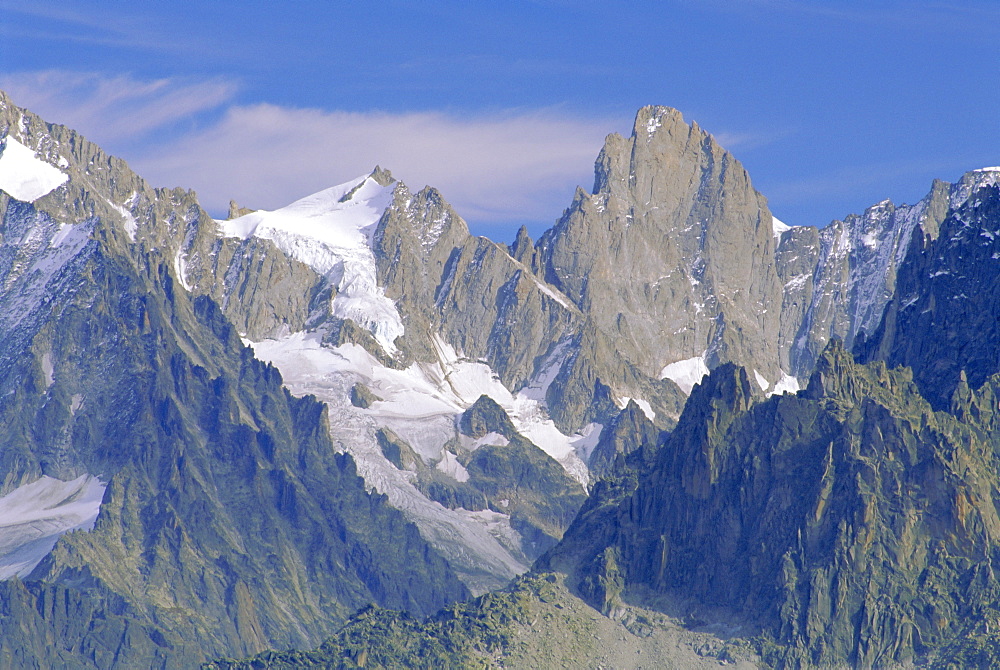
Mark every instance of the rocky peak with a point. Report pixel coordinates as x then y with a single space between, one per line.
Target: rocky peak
382 177
627 433
486 416
523 248
841 277
971 182
673 247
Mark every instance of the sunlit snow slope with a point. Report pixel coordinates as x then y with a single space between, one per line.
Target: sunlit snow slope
23 175
330 232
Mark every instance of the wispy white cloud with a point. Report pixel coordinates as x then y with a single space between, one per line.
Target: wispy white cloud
114 109
515 166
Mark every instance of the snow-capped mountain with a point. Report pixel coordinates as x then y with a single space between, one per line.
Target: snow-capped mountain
271 420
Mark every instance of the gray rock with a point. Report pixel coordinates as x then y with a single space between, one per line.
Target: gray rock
361 396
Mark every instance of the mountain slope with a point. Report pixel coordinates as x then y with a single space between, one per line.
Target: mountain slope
229 523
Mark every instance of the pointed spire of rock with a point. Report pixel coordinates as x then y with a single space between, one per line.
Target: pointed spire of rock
235 211
523 248
962 397
382 177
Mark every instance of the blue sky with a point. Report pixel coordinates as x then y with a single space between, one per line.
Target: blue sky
831 106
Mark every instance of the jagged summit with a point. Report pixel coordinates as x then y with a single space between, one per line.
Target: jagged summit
674 246
381 176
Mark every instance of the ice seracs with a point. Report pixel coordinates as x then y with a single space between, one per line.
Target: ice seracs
330 231
23 175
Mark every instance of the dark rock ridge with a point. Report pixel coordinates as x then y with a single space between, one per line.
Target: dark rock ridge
518 478
628 432
942 321
229 523
850 523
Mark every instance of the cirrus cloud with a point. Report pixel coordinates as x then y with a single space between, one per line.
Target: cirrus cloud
118 109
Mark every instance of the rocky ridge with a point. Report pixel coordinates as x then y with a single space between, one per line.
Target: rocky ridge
850 523
940 321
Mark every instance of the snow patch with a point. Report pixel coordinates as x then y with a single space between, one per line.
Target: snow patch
761 381
549 292
48 370
450 466
180 269
487 440
539 385
65 232
643 404
778 226
23 175
686 373
787 384
131 225
34 516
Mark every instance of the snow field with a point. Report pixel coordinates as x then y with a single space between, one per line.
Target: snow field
330 231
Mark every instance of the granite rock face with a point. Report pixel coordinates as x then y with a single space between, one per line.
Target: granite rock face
673 247
838 280
467 290
671 258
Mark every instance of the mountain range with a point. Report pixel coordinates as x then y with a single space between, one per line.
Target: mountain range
671 427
